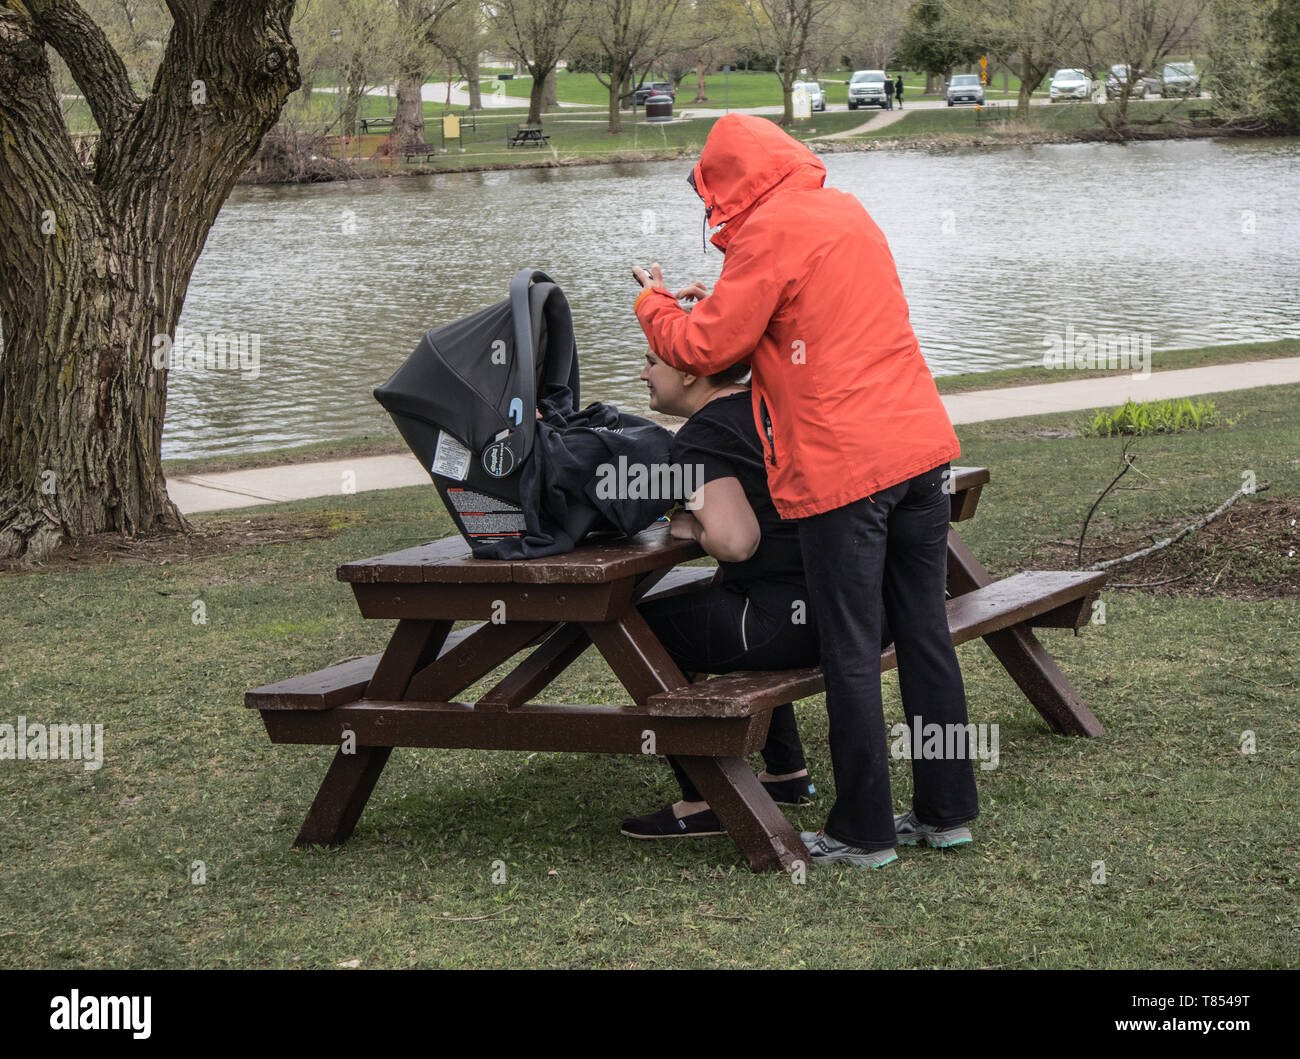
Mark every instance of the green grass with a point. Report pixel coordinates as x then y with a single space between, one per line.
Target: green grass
1143 418
740 88
584 136
1161 360
96 865
999 119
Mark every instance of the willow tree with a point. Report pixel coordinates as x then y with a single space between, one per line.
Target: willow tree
95 258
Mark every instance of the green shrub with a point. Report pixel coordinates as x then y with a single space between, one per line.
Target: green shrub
1155 417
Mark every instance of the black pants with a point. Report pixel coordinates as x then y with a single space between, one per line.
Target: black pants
890 547
721 629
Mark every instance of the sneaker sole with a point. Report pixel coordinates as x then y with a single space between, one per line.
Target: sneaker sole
935 842
684 834
855 859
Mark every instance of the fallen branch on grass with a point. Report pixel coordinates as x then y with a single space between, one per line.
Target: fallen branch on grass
1193 527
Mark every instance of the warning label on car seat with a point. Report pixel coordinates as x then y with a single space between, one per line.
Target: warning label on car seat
486 516
451 458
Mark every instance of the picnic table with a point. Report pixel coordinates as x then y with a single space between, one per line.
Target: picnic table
528 134
557 608
415 150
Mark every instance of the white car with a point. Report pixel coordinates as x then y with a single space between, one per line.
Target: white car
1069 84
815 94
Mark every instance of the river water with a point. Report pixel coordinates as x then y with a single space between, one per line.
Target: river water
1183 243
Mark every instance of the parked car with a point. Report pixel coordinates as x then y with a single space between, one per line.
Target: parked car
1069 84
867 88
965 88
1180 79
814 91
654 88
1143 85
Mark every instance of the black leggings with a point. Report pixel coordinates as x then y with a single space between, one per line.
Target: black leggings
721 629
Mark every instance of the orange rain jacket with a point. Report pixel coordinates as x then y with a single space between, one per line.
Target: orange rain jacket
809 295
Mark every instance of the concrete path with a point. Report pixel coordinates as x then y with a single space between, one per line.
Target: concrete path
271 485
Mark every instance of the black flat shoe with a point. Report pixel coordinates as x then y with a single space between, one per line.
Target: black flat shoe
798 791
664 824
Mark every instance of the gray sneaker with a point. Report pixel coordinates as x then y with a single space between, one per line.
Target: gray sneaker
825 850
911 832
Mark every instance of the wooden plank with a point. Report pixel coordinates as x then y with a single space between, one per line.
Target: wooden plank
532 676
343 793
755 822
321 690
967 483
610 560
446 560
534 726
981 612
641 663
473 658
415 643
513 602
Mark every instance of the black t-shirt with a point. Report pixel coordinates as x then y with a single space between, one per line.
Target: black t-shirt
722 442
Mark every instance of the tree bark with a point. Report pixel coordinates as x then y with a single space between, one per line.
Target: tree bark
701 91
469 71
94 263
408 120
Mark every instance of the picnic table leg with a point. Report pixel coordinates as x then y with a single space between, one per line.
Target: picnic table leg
351 777
1022 656
342 796
755 822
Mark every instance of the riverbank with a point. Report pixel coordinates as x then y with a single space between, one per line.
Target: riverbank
580 138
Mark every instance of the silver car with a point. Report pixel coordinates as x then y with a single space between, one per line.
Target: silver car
1069 84
965 88
1180 79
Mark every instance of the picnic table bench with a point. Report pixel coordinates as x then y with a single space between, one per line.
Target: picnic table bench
555 609
528 134
415 150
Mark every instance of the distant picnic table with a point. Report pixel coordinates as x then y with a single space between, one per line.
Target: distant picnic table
527 135
558 607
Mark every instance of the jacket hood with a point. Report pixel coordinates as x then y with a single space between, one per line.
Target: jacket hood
745 160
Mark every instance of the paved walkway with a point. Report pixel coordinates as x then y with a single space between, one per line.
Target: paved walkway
271 485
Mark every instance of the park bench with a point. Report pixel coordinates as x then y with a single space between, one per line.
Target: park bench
416 150
370 124
555 609
526 135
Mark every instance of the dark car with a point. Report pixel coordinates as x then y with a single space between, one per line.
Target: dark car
654 88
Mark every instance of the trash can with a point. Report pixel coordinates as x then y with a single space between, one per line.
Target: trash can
659 107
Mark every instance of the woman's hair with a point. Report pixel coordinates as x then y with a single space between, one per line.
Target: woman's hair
732 376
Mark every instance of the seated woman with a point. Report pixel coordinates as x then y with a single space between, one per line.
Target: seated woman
758 617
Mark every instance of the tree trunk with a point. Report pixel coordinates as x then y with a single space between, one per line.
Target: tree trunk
352 97
549 100
1030 78
94 265
469 71
408 120
535 100
701 90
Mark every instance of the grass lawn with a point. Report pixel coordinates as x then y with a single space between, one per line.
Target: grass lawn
582 135
1161 360
740 88
1000 119
97 865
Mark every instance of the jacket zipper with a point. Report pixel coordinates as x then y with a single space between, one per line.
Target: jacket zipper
767 429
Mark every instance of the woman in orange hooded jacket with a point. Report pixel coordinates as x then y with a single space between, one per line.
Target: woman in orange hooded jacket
858 446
